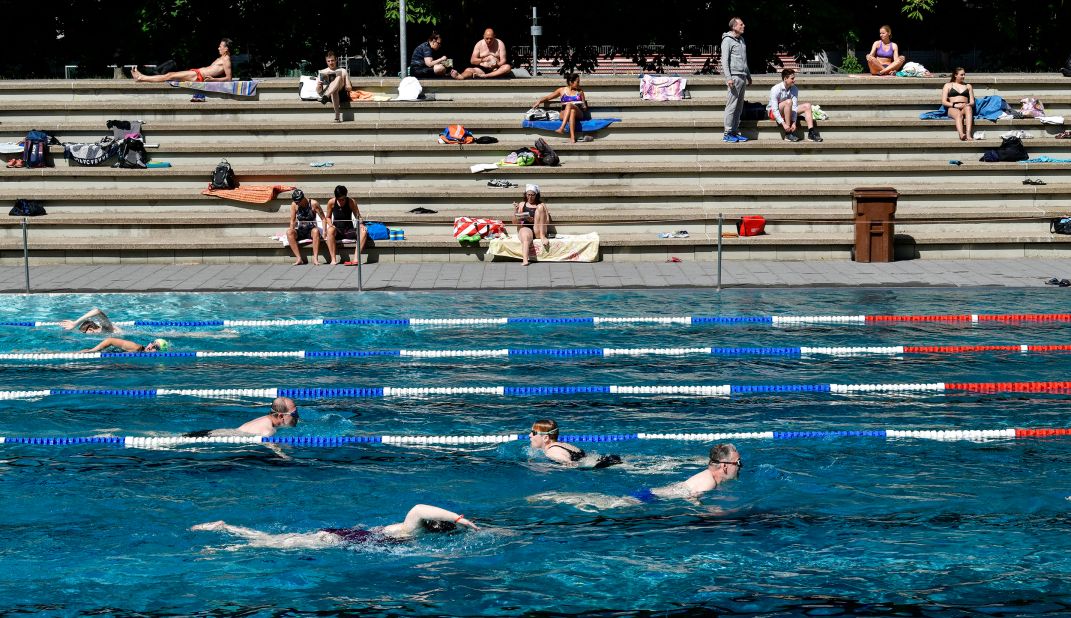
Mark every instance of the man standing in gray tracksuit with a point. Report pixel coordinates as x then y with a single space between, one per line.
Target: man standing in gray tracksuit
737 77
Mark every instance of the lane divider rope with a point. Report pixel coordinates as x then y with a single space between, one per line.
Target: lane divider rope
802 351
588 320
331 441
663 389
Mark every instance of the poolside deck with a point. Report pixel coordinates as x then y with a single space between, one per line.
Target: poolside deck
477 277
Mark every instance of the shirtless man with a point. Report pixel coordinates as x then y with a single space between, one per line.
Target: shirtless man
332 82
420 519
90 326
723 465
218 71
284 413
488 58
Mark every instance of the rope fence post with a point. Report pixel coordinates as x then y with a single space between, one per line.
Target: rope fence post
721 220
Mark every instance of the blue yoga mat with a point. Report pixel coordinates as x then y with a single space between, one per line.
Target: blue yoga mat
587 126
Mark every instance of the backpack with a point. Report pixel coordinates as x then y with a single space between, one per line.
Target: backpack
377 231
35 149
223 177
1061 225
27 208
456 134
1011 149
547 153
132 154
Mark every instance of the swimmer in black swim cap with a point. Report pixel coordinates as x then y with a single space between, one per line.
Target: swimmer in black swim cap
544 436
421 519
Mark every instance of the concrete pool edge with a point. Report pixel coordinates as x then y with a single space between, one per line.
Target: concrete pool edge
141 278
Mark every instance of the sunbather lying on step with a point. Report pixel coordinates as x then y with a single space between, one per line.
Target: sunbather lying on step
218 71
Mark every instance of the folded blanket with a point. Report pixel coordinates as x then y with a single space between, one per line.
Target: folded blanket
595 124
235 88
986 108
251 194
576 248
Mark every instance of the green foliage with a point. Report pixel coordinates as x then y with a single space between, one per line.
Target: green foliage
914 9
851 64
415 13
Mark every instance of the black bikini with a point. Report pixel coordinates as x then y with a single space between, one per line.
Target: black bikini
952 92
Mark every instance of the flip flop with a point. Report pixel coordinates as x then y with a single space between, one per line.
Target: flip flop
1064 283
349 263
674 260
1033 181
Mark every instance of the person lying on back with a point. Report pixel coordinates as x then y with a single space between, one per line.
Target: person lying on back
218 71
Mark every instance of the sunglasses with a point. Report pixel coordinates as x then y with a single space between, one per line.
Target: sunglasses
739 463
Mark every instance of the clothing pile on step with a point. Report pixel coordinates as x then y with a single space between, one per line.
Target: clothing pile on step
126 142
469 230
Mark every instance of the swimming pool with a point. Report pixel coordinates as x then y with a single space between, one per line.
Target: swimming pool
818 526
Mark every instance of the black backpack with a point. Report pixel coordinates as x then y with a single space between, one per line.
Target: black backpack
223 177
1011 149
1061 225
27 208
547 154
132 154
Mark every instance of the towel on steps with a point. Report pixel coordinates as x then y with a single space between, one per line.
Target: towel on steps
251 194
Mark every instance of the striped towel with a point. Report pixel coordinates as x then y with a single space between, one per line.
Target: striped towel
251 194
236 88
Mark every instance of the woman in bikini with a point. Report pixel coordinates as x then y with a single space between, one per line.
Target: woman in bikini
884 57
532 218
574 105
958 98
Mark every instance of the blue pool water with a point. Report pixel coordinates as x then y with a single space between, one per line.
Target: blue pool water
853 525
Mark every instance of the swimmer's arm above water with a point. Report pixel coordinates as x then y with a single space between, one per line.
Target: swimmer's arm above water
425 512
122 344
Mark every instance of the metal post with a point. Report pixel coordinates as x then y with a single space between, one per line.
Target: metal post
536 31
721 219
360 275
402 44
26 254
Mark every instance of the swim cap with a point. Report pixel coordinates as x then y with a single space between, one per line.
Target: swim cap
162 344
532 188
297 195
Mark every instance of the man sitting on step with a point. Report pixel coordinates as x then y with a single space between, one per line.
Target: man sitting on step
488 58
218 71
784 108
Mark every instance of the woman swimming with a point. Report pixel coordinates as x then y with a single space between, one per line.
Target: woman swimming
544 436
420 519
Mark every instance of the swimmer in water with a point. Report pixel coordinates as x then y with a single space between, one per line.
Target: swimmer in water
156 345
724 464
544 437
421 519
93 322
284 413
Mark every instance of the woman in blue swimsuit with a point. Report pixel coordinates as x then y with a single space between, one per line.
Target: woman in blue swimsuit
421 518
884 57
574 105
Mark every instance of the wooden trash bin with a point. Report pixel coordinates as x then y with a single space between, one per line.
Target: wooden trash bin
875 212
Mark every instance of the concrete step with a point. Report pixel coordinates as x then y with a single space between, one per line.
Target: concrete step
194 176
683 127
943 146
441 110
1008 84
613 247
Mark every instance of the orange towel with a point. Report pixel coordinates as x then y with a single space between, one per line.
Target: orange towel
253 194
361 95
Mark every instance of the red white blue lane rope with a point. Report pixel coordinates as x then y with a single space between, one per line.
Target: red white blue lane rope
775 320
807 351
723 390
945 435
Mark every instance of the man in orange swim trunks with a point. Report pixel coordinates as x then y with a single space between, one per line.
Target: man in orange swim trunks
218 71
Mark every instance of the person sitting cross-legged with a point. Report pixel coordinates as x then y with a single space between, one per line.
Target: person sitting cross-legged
488 58
332 83
426 61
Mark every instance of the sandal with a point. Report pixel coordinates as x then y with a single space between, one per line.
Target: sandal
1034 181
1063 135
11 162
19 163
1053 281
1064 283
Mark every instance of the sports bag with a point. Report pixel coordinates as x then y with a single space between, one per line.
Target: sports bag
35 149
27 208
223 177
456 134
547 154
1011 149
377 231
1061 225
132 154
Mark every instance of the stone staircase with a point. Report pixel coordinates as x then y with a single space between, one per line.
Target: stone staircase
663 168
